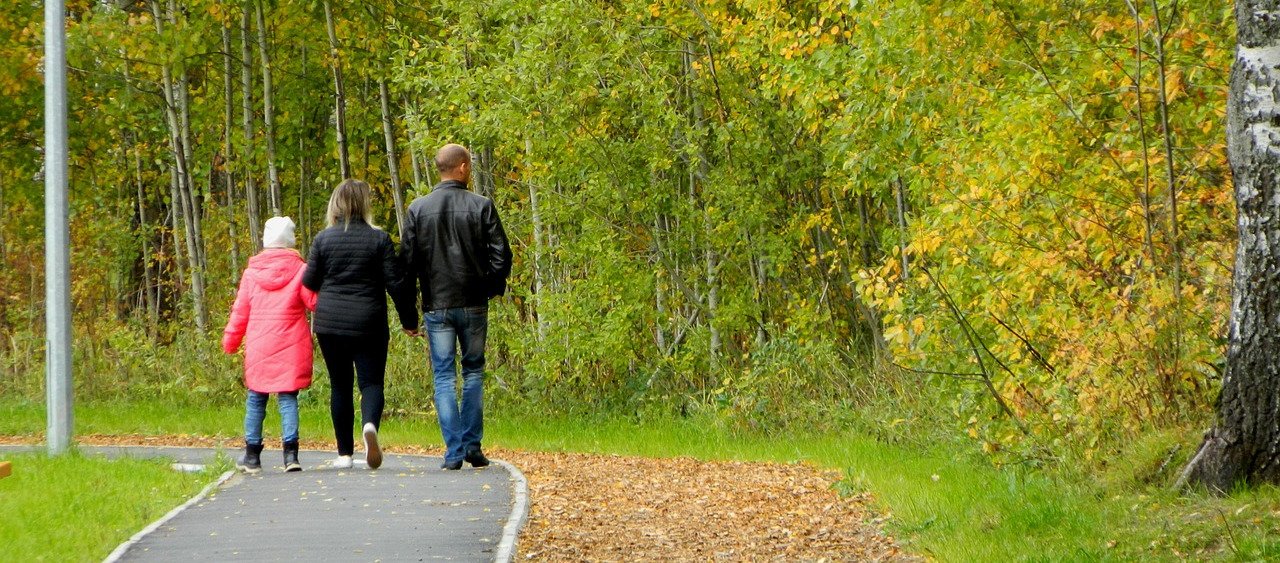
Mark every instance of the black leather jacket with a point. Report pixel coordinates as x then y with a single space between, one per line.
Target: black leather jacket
350 268
455 248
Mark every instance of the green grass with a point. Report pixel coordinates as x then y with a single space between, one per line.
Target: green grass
78 508
945 504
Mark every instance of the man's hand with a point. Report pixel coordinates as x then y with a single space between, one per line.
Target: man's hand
412 332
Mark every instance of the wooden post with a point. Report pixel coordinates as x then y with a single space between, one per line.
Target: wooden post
6 469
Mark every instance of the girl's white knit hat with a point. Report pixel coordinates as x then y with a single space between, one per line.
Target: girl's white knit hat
278 233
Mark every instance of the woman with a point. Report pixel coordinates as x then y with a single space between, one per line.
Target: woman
352 263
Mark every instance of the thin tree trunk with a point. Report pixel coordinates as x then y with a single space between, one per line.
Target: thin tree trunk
175 217
1244 445
759 280
1175 251
535 214
153 310
427 163
228 124
713 288
413 155
246 107
1174 236
365 161
868 238
857 308
393 164
182 189
192 203
697 177
481 175
149 283
1145 195
422 163
304 179
339 93
4 251
268 112
900 198
659 293
304 174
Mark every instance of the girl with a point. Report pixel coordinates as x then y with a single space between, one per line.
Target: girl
269 316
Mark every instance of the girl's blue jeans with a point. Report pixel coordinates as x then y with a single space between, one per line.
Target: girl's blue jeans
255 410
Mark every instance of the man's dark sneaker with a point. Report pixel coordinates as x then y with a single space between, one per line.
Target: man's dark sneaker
291 457
451 465
251 461
476 458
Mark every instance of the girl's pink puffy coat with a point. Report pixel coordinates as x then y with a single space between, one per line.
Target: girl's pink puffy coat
269 315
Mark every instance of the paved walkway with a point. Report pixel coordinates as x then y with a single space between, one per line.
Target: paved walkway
408 510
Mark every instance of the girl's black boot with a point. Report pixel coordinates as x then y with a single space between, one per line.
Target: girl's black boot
251 462
291 457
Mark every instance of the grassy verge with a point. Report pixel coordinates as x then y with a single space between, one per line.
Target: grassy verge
943 504
79 508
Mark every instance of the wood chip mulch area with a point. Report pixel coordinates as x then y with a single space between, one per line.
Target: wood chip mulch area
615 508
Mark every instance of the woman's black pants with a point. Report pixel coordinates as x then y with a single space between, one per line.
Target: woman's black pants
368 355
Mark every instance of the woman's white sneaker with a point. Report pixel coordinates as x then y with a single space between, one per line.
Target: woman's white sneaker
372 453
343 462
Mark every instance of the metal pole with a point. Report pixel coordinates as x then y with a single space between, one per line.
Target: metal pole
57 248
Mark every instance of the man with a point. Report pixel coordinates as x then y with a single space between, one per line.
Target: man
454 246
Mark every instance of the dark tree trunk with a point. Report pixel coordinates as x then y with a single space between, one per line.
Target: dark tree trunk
228 123
339 94
1244 446
246 107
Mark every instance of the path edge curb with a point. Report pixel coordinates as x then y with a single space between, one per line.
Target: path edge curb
133 540
506 551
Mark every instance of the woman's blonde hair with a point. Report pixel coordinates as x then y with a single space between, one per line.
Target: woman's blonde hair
349 199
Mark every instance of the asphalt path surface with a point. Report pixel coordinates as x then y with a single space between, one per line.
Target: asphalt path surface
407 510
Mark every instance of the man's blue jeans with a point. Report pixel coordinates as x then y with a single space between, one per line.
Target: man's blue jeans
255 410
447 331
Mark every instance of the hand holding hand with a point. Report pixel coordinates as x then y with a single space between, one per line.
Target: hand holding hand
413 332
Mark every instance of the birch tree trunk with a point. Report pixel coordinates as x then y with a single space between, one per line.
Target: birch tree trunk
228 123
268 112
393 164
193 204
246 107
484 172
175 228
1244 445
182 188
339 94
414 163
659 292
536 217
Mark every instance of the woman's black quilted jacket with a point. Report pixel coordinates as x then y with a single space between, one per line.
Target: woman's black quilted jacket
351 268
